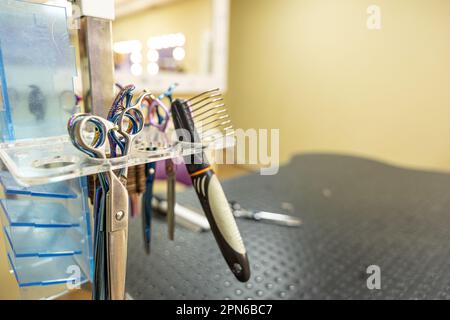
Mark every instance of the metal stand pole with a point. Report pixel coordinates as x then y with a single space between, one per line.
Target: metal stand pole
96 54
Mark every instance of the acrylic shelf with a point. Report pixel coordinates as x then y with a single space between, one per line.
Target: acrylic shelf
48 160
37 214
53 190
44 271
31 242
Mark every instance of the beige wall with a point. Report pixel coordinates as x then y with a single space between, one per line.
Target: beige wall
313 69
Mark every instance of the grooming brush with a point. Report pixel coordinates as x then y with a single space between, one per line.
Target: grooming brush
207 111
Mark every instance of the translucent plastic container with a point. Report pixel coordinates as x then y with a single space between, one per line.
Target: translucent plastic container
47 227
52 190
42 228
37 214
35 242
37 66
46 271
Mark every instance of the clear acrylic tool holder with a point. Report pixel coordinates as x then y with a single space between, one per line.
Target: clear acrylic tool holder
36 75
37 66
47 160
46 233
47 226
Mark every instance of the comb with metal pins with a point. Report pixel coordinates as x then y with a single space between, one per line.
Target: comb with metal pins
210 115
209 112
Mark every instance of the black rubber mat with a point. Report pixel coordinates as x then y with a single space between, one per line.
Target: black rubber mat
356 213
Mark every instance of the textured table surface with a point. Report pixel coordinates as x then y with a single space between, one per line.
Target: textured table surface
356 213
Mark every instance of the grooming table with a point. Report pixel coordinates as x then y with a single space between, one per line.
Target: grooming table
356 213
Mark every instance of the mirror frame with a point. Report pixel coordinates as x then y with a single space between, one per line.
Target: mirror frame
192 83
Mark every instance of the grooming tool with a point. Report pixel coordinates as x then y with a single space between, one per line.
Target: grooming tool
160 123
135 187
170 171
134 204
150 169
140 179
131 188
99 283
171 184
147 206
185 217
263 216
208 112
139 188
158 116
123 101
112 199
171 176
169 93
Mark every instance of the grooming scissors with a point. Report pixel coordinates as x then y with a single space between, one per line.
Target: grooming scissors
158 116
113 203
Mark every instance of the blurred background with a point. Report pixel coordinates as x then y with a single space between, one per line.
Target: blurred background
311 68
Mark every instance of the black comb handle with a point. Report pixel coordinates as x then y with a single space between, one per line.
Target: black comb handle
212 198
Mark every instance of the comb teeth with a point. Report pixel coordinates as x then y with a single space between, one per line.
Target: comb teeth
210 115
192 100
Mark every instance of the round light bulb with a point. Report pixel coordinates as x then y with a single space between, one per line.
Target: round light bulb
136 69
136 57
153 68
179 54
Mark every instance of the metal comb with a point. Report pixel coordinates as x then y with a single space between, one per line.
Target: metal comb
210 116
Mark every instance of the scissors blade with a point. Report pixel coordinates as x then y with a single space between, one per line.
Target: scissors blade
171 184
276 218
100 286
117 231
147 206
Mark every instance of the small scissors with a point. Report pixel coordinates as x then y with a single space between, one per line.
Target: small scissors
112 203
158 116
123 101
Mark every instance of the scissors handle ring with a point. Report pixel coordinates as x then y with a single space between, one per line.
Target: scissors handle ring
156 105
97 147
